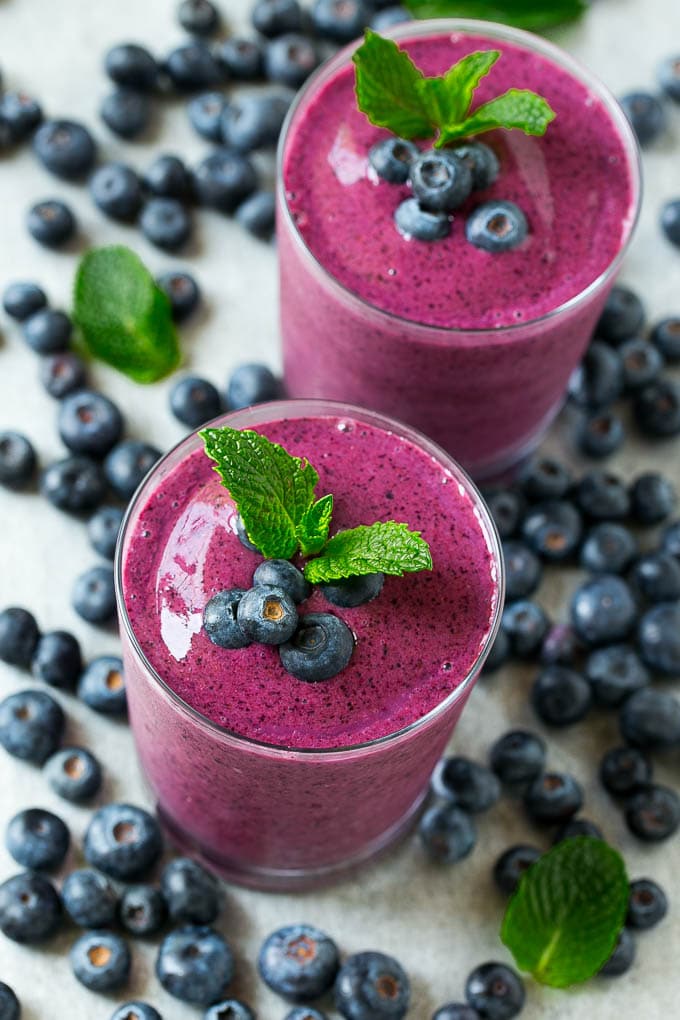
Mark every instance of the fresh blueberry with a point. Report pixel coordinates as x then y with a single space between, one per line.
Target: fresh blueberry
166 223
641 362
224 179
623 770
507 507
21 300
89 423
577 827
274 17
193 67
90 899
253 122
511 865
603 496
499 653
142 909
598 380
65 148
93 595
74 484
455 1010
21 113
553 798
560 646
353 591
100 960
37 839
136 1010
526 625
249 384
601 434
653 498
19 636
10 1008
31 725
205 114
220 619
650 720
195 401
392 158
614 673
51 223
496 226
481 161
195 964
123 841
447 833
622 956
117 191
646 115
412 221
657 409
102 685
372 986
623 316
471 786
653 813
57 659
30 908
62 374
560 696
659 638
48 331
103 528
340 20
200 17
127 465
388 17
495 991
283 574
518 758
669 77
647 904
656 577
235 1009
666 336
609 548
290 59
297 1013
545 479
74 773
670 540
603 610
167 177
267 614
257 214
133 66
320 648
553 529
242 58
670 221
440 180
298 962
17 460
191 893
126 112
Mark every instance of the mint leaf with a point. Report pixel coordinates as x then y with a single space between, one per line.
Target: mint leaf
562 923
272 489
386 88
516 108
385 546
312 531
533 15
448 97
123 317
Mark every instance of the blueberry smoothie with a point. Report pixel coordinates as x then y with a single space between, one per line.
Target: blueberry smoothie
472 347
274 781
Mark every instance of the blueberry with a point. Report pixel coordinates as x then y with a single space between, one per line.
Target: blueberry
353 591
89 423
117 191
195 964
31 725
666 336
471 786
623 770
481 161
656 577
103 528
615 672
90 899
65 148
251 383
21 114
235 1009
51 223
102 685
499 653
641 362
659 638
650 720
224 179
220 619
507 507
560 696
132 65
166 223
622 956
297 1013
19 636
30 908
670 540
136 1010
254 121
193 67
440 180
526 625
242 58
545 479
57 659
511 865
93 595
598 380
195 401
447 833
200 17
623 316
646 115
123 841
560 646
553 798
191 893
257 214
603 610
657 409
340 20
495 991
372 986
602 496
62 374
283 574
601 434
205 114
320 648
609 548
577 827
553 529
653 813
74 484
298 962
412 221
496 226
518 758
455 1010
267 614
388 17
10 1008
392 158
669 77
17 460
670 221
142 909
653 498
128 464
167 177
37 839
274 17
100 960
290 59
48 331
647 904
74 773
126 112
21 300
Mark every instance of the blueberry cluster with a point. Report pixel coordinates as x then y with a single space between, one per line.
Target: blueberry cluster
195 401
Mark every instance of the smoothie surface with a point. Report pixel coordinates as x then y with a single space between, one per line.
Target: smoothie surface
573 184
414 643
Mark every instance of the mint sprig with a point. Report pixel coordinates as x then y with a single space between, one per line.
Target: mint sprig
562 923
123 317
393 93
533 15
385 547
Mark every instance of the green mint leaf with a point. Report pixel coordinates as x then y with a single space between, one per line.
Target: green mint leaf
533 15
562 923
272 489
124 318
386 80
312 531
447 98
516 108
385 546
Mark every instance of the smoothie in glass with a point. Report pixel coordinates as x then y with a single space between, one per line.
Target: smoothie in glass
473 348
276 782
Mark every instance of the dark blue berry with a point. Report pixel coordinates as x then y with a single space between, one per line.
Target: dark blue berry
21 300
545 479
388 17
553 529
392 158
283 574
242 58
650 720
553 798
601 434
653 813
598 380
132 65
195 964
62 374
253 122
614 673
51 223
10 1008
234 1009
31 725
511 866
195 401
19 636
647 904
656 577
200 17
37 839
30 908
440 181
103 528
653 498
340 20
298 962
412 221
274 17
290 59
100 960
447 833
495 991
577 827
507 507
526 625
560 646
166 223
89 423
102 685
191 893
257 214
481 161
47 331
471 786
167 177
560 696
74 773
657 409
220 619
126 112
659 638
353 591
249 384
18 460
74 484
646 115
127 465
90 899
205 114
117 191
57 659
609 548
623 316
142 909
224 179
622 956
21 114
669 77
123 841
623 770
136 1010
603 496
93 595
641 362
670 539
372 986
499 653
193 67
518 758
65 148
603 610
320 648
496 226
666 336
670 221
267 614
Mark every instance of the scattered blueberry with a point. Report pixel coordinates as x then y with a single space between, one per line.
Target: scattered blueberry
653 813
10 1008
21 114
200 17
614 673
136 1010
641 362
290 59
623 316
471 786
507 507
195 964
481 161
653 498
126 112
518 758
103 528
495 991
57 659
191 893
142 909
372 985
90 899
267 614
205 114
496 226
65 148
31 725
37 839
193 67
623 770
251 383
166 223
242 58
353 591
666 336
560 696
133 66
650 720
440 180
647 904
224 179
283 574
19 636
167 177
670 221
195 401
74 484
30 908
659 638
603 610
257 214
74 773
274 17
553 798
235 1009
600 434
392 158
253 122
511 865
622 956
93 595
298 962
545 479
656 577
598 380
609 548
51 223
498 654
21 300
100 960
320 648
670 539
553 529
526 625
102 685
123 841
657 409
669 77
62 374
447 833
577 827
412 221
17 460
89 423
117 191
646 115
127 465
47 331
560 646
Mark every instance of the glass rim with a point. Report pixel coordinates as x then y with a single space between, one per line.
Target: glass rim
529 41
287 409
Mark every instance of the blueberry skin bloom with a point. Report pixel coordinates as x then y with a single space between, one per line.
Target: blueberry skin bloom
496 226
192 894
518 757
614 673
320 648
142 909
90 899
560 696
603 610
224 179
447 833
103 528
257 214
51 223
93 595
283 574
37 839
22 299
10 1009
57 660
194 401
290 59
30 908
267 614
608 549
195 964
74 773
526 624
251 383
117 191
372 986
220 619
650 719
167 177
126 112
132 65
193 68
65 148
495 991
74 484
412 221
19 636
31 725
653 497
205 112
646 115
166 223
136 1010
653 813
127 465
553 798
440 181
48 331
470 785
299 962
647 904
659 638
62 374
241 57
274 17
123 841
102 685
253 122
89 423
392 158
100 960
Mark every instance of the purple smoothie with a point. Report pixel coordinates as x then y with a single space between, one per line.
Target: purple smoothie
298 794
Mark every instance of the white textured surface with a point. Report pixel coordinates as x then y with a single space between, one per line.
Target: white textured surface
440 923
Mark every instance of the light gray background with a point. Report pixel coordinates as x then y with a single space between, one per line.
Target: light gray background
439 922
